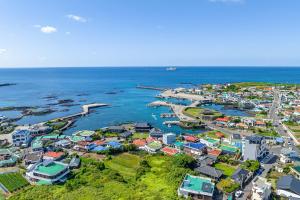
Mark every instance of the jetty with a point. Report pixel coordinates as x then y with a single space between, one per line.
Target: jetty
85 110
192 97
167 115
151 88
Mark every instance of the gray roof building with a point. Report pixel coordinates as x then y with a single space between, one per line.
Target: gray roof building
290 184
209 171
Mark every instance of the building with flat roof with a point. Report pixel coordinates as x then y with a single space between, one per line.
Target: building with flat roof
169 138
261 189
254 147
153 147
36 129
196 187
48 172
21 138
86 134
8 157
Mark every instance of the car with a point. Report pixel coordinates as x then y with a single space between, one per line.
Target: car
238 193
289 143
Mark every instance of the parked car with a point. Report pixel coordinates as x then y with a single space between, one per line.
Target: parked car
238 193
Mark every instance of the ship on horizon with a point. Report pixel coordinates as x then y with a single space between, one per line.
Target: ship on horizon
171 69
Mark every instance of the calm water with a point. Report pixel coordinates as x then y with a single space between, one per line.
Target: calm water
128 104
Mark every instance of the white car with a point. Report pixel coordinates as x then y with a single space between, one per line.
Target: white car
238 193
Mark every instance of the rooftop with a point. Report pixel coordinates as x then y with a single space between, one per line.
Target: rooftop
85 133
51 169
198 185
154 145
198 145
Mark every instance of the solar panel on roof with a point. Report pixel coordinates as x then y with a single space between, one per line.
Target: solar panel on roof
206 187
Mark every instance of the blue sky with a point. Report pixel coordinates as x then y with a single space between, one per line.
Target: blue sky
35 33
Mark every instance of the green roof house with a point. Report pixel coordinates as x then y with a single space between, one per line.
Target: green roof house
196 187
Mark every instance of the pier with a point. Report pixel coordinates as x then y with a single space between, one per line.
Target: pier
85 110
151 88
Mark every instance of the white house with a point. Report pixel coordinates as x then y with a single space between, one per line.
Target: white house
261 189
288 186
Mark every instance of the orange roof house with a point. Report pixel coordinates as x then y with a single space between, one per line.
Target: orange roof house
223 119
99 142
139 142
169 151
219 135
53 155
214 152
190 138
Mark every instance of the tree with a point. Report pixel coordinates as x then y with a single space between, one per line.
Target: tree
183 160
251 165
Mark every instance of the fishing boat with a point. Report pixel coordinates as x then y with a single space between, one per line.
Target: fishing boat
171 69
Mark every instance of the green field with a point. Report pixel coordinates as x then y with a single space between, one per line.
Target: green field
116 178
228 170
13 181
194 112
140 135
126 164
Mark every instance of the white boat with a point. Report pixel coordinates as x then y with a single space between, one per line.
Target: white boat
154 117
171 69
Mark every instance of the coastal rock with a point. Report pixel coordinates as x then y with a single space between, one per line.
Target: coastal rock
7 84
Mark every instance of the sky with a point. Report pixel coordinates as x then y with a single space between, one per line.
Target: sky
74 33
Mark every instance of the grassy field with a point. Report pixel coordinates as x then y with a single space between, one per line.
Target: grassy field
117 180
13 181
140 135
228 170
126 164
194 112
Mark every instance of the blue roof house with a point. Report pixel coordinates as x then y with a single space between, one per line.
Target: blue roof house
114 144
195 149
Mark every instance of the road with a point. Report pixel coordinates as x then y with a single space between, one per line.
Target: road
273 115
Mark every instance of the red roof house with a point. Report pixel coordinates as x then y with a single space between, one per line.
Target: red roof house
169 151
51 155
139 142
190 138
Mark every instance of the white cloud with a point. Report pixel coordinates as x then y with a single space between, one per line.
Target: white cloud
227 1
48 29
3 51
76 18
68 33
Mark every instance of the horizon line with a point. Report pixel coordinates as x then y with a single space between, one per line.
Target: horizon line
153 66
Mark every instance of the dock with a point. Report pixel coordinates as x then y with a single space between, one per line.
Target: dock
85 110
151 88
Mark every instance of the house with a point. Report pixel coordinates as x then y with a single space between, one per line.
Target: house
21 138
209 171
126 134
156 133
51 155
169 138
207 160
36 129
254 147
33 157
195 149
214 152
142 127
99 148
296 171
113 144
139 142
196 187
288 186
190 138
8 157
114 129
241 176
74 163
178 145
153 147
86 134
48 172
170 151
63 143
210 142
261 189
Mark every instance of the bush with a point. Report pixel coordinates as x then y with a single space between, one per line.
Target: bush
183 160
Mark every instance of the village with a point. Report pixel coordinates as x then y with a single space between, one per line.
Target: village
250 156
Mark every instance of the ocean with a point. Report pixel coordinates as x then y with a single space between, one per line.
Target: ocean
117 87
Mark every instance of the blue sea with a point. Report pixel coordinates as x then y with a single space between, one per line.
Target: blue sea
117 87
